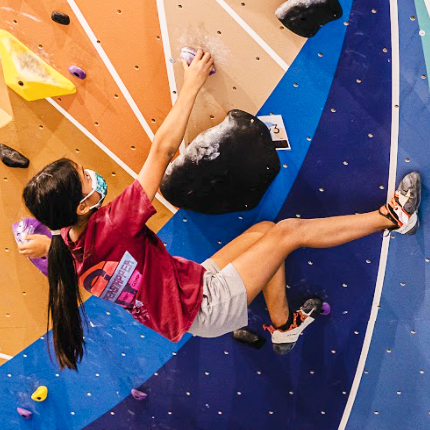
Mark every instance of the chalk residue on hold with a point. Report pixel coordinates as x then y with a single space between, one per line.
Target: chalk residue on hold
30 67
205 146
199 38
285 7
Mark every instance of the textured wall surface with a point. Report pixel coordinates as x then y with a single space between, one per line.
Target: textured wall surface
338 94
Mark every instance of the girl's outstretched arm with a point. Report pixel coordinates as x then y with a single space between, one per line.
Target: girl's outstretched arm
169 136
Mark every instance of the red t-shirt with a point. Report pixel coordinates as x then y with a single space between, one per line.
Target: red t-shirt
121 260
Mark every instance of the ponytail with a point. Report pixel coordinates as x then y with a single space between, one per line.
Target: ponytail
63 305
53 197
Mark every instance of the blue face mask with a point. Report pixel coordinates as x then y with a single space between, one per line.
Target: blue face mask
99 185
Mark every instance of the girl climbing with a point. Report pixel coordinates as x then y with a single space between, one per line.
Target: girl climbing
110 252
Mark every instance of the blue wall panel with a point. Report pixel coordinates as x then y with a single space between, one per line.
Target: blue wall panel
394 390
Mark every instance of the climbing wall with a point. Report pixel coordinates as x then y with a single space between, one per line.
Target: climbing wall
393 393
357 118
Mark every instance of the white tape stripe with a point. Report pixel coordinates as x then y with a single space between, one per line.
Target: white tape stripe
111 69
253 34
427 3
167 56
5 357
167 49
105 149
391 188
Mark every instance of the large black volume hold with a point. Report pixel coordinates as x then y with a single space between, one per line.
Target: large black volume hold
227 168
306 17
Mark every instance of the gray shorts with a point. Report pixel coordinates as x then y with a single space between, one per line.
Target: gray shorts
224 307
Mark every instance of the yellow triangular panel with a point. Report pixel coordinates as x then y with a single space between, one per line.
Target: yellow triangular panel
27 74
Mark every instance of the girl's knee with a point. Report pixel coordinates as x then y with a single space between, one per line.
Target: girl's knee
291 225
262 227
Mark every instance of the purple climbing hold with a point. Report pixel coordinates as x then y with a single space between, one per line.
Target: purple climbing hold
325 308
76 71
60 18
138 395
188 55
32 226
25 413
12 158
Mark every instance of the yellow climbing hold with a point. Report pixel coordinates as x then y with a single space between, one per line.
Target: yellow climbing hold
40 394
27 74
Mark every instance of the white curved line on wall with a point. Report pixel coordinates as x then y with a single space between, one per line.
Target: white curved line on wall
254 35
427 3
111 68
391 188
105 149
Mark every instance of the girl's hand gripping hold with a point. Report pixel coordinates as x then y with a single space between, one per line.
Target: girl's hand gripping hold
196 74
37 247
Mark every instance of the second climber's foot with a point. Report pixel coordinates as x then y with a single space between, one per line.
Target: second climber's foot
284 338
402 209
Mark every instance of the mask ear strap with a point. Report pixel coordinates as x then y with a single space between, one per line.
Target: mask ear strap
93 185
88 195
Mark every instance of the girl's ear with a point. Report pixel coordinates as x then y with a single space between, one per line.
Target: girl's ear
82 209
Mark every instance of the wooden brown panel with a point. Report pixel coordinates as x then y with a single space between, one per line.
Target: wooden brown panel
130 35
260 16
246 75
95 106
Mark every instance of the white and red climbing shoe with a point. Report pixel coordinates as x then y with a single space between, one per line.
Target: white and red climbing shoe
285 337
402 209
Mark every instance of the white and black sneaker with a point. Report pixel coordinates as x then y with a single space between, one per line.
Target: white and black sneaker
284 338
402 209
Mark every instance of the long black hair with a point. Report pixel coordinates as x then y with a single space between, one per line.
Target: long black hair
53 196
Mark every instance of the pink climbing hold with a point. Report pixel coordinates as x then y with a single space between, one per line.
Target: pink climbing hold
138 395
25 413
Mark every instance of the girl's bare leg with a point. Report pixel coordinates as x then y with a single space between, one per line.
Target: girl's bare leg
260 262
274 291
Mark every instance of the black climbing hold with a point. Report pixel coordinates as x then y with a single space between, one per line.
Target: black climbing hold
250 337
225 169
306 17
12 158
61 18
